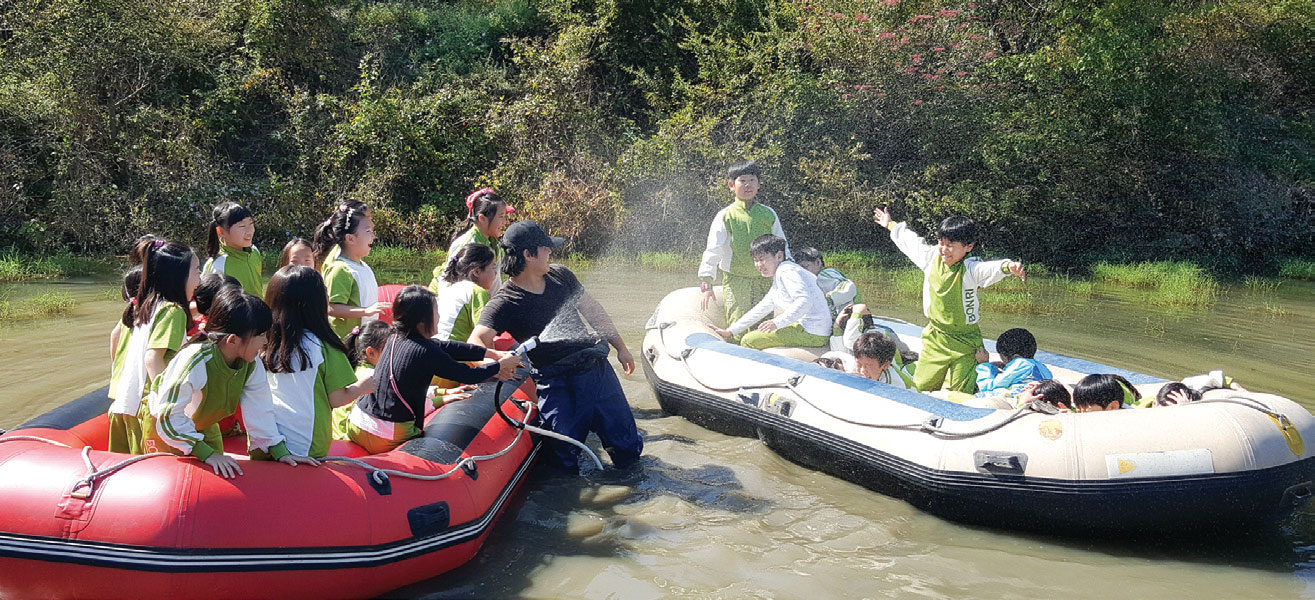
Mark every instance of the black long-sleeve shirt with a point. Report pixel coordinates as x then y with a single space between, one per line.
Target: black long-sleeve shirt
411 363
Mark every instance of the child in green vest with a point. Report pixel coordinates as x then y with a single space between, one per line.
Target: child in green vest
840 291
486 216
307 365
157 321
119 340
230 250
951 300
209 379
732 232
353 290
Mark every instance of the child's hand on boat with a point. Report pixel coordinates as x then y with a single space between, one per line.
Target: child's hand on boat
224 466
982 356
294 460
724 333
767 326
708 297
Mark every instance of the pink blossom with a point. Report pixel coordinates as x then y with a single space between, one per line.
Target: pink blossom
949 13
989 55
917 101
938 49
930 76
885 35
961 74
911 70
940 88
881 94
862 17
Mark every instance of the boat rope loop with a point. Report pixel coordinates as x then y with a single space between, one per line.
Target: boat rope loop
83 487
1253 404
932 425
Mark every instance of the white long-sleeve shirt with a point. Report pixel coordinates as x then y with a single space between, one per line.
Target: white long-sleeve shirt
977 273
722 248
795 294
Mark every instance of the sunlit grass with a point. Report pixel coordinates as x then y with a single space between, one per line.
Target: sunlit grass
1171 283
667 262
49 304
1260 285
1297 268
15 266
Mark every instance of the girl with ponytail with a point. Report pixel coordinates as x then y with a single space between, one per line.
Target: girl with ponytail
486 216
229 247
343 241
156 321
470 275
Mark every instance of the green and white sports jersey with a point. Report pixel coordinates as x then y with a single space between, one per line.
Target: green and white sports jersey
472 236
351 283
459 306
839 290
117 361
950 296
731 234
197 390
242 265
165 331
301 399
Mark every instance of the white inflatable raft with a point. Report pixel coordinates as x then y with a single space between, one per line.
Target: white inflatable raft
1232 459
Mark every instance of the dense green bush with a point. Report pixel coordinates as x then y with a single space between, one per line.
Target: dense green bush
1076 132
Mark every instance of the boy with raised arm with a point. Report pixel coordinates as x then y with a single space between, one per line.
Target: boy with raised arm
733 230
805 319
951 301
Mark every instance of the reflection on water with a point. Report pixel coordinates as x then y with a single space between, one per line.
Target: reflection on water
711 516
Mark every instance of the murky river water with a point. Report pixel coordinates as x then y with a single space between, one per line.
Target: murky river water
712 516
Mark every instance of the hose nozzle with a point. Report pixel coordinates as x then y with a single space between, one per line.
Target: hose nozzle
526 346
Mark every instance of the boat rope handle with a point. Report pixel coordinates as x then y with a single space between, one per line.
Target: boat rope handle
1253 404
83 487
932 425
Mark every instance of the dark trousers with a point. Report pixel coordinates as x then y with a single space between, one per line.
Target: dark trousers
590 400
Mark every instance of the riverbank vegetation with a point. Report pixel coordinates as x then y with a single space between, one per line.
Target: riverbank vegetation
47 304
1076 132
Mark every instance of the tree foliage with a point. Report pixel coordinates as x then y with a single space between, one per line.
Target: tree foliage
1075 131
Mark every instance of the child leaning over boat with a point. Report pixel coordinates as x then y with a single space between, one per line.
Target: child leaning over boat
1016 348
840 291
208 380
804 320
1104 391
950 299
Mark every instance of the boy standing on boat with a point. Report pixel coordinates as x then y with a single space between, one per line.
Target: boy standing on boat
951 299
733 230
805 319
578 390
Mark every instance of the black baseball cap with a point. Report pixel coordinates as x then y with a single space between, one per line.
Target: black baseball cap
527 235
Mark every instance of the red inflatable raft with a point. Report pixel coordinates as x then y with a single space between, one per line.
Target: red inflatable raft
79 523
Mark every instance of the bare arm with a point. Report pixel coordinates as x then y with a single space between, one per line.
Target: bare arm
114 338
154 363
347 311
482 336
602 323
347 395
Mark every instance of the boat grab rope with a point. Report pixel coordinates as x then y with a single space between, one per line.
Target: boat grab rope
931 425
83 487
1253 404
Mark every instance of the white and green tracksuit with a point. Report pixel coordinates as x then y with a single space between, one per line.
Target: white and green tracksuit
351 283
197 390
473 236
240 264
730 236
951 301
459 306
301 399
164 331
840 291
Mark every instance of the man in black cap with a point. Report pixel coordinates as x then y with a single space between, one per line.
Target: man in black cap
578 390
